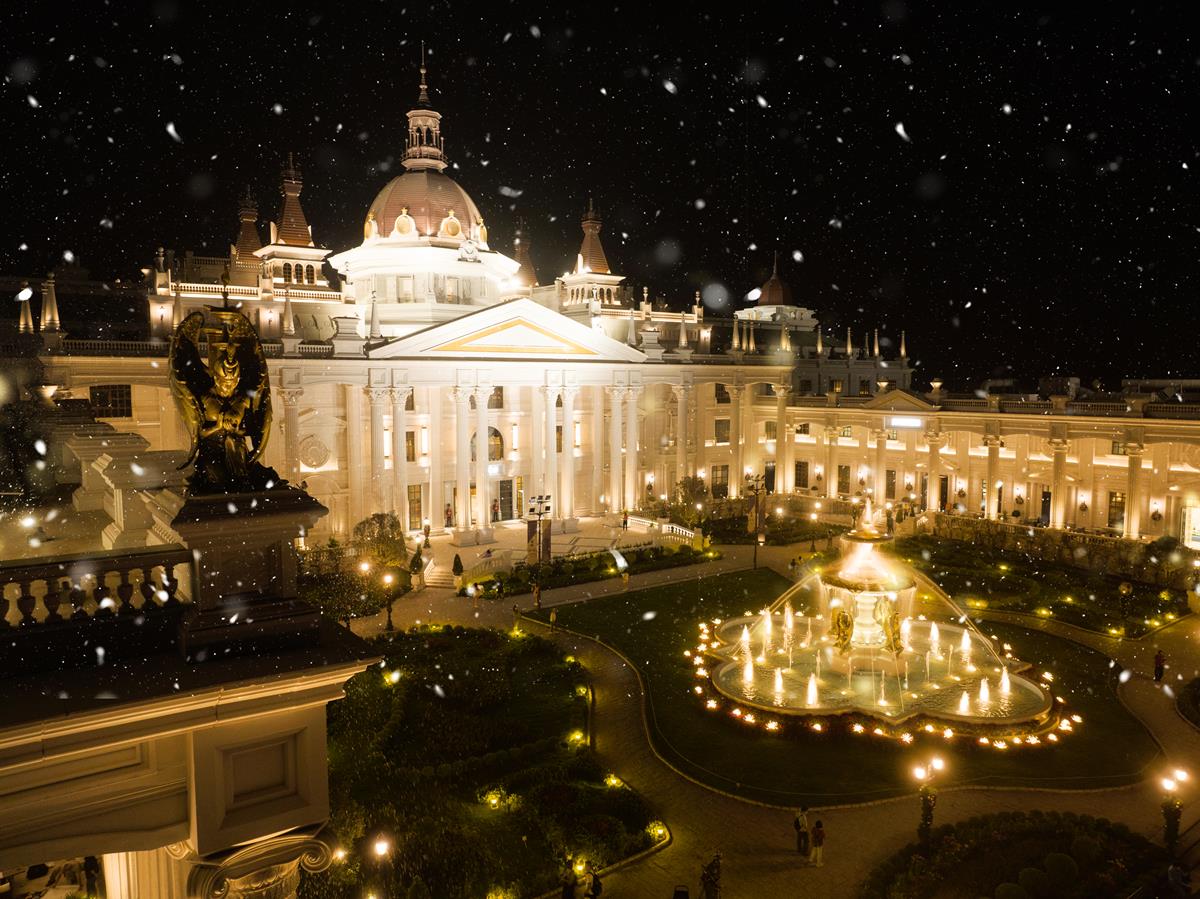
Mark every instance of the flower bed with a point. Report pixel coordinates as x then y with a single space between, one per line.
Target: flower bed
467 754
1019 855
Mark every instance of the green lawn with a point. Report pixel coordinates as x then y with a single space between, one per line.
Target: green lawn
1110 748
460 751
980 577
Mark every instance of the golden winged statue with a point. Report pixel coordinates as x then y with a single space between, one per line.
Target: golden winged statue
842 626
225 401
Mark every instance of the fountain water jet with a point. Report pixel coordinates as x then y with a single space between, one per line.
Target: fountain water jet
906 634
744 643
964 704
748 671
1005 685
985 695
934 639
779 682
766 629
811 697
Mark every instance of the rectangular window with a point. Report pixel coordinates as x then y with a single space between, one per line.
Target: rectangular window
720 481
415 518
722 394
410 446
112 400
889 479
721 430
1118 449
496 400
806 386
404 289
846 432
452 292
837 385
803 429
802 475
558 438
843 479
1116 509
770 429
766 389
893 435
864 387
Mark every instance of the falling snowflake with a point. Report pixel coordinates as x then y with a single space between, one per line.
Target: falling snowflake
510 191
68 257
903 134
1007 109
762 101
797 256
24 294
277 109
669 86
174 134
33 101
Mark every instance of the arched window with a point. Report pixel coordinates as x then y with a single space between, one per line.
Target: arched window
287 272
495 446
309 274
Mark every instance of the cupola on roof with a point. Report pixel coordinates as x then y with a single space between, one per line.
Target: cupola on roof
775 292
423 190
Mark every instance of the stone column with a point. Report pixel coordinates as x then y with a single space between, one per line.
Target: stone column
831 462
537 433
550 397
616 491
437 481
596 447
400 397
934 495
462 457
483 498
1133 494
735 439
570 520
681 430
291 432
992 508
880 467
377 396
633 490
782 475
354 454
1058 486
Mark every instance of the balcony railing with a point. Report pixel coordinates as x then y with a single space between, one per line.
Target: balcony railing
64 589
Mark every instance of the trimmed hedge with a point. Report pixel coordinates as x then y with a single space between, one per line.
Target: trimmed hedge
1188 701
1013 855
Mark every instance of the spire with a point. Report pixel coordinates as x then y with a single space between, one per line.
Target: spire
849 344
50 320
423 97
25 320
591 250
289 320
293 227
820 345
248 240
683 327
751 348
375 333
632 329
423 148
876 343
527 274
903 347
177 307
737 334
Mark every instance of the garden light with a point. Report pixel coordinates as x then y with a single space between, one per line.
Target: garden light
1180 775
364 566
382 847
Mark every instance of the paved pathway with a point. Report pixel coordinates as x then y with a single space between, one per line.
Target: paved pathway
757 843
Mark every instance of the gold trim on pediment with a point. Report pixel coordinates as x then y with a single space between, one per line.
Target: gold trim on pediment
470 343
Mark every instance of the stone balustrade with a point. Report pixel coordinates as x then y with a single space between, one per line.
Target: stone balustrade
64 589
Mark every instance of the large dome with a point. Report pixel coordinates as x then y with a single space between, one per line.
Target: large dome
429 196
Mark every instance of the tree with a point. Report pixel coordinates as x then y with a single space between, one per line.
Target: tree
689 493
417 566
457 567
381 539
342 594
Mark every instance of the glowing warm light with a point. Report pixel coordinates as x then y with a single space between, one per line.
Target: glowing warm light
339 854
1180 775
364 566
1169 785
382 846
920 773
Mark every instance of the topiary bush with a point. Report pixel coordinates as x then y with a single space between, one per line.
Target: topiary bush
1035 882
1061 869
1010 891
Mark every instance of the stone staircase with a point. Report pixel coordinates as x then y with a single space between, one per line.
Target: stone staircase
439 577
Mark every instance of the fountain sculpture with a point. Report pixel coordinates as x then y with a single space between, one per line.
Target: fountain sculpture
872 645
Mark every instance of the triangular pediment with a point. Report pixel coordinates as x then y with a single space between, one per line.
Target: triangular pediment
516 330
900 400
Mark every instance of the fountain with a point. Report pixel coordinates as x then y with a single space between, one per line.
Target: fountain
863 610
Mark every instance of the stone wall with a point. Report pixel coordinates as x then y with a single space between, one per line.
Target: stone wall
1133 559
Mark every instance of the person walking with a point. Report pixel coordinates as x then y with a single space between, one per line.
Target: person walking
818 845
803 836
568 881
553 618
516 616
1160 666
710 878
624 521
591 882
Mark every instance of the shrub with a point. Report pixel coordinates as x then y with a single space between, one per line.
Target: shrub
1010 891
456 567
1061 869
1035 882
1086 850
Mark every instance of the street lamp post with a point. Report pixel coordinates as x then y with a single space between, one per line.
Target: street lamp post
388 580
755 486
1172 809
539 508
924 775
426 530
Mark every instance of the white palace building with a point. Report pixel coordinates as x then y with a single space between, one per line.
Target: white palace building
431 344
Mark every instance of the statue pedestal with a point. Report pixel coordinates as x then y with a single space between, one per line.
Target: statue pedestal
244 567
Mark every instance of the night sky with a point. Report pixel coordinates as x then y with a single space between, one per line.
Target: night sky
1015 187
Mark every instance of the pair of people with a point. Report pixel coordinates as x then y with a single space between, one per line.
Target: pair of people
810 843
580 886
